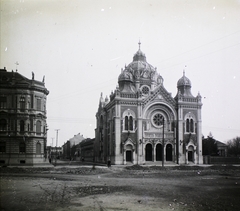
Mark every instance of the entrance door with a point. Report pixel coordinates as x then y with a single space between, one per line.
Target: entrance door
190 156
169 152
129 156
158 152
148 154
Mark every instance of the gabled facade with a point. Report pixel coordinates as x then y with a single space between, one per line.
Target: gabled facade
142 123
23 126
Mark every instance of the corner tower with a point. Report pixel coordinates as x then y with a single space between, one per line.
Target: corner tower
189 123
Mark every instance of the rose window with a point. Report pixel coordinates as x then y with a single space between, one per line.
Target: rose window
158 119
145 90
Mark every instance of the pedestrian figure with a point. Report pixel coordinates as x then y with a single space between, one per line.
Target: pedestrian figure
109 163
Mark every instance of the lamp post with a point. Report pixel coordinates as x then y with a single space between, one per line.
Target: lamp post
163 143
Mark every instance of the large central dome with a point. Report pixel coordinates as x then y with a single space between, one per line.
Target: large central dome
140 70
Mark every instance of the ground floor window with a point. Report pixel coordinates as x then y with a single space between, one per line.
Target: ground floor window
2 146
3 125
38 148
22 147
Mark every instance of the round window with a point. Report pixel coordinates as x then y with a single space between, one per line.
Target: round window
145 90
158 119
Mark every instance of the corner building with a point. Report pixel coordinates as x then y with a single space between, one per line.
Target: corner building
23 126
142 123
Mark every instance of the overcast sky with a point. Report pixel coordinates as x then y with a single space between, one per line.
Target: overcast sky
81 46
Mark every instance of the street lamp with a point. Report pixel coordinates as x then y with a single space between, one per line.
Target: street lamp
162 120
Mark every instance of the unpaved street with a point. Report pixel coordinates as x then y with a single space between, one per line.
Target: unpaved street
131 188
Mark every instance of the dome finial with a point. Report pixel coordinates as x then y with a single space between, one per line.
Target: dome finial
139 43
184 70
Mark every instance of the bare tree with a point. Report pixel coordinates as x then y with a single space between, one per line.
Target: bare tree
234 147
209 145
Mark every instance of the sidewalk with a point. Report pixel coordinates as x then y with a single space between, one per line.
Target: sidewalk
77 164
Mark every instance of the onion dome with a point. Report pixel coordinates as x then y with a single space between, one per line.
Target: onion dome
184 86
139 56
125 81
184 81
140 70
125 76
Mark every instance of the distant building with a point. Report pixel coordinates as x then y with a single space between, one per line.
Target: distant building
54 152
213 147
222 149
23 126
68 151
86 149
142 123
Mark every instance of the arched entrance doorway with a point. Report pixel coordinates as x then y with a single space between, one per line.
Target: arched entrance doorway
129 153
169 152
129 156
148 153
159 152
190 154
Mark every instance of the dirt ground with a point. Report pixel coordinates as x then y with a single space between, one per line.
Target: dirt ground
129 188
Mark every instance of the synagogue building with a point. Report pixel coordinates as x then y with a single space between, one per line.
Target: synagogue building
143 123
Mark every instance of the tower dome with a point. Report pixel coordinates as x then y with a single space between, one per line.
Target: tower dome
125 76
184 81
139 56
140 70
184 86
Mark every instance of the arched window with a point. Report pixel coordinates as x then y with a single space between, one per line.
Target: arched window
126 123
148 152
128 120
22 129
38 127
130 123
191 126
22 103
187 125
3 102
39 104
113 125
2 146
22 147
3 124
38 148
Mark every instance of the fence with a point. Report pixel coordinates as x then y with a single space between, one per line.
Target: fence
220 160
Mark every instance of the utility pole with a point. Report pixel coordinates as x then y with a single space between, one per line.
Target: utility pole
52 141
56 146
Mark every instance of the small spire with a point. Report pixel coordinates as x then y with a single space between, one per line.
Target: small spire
16 65
184 70
139 43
